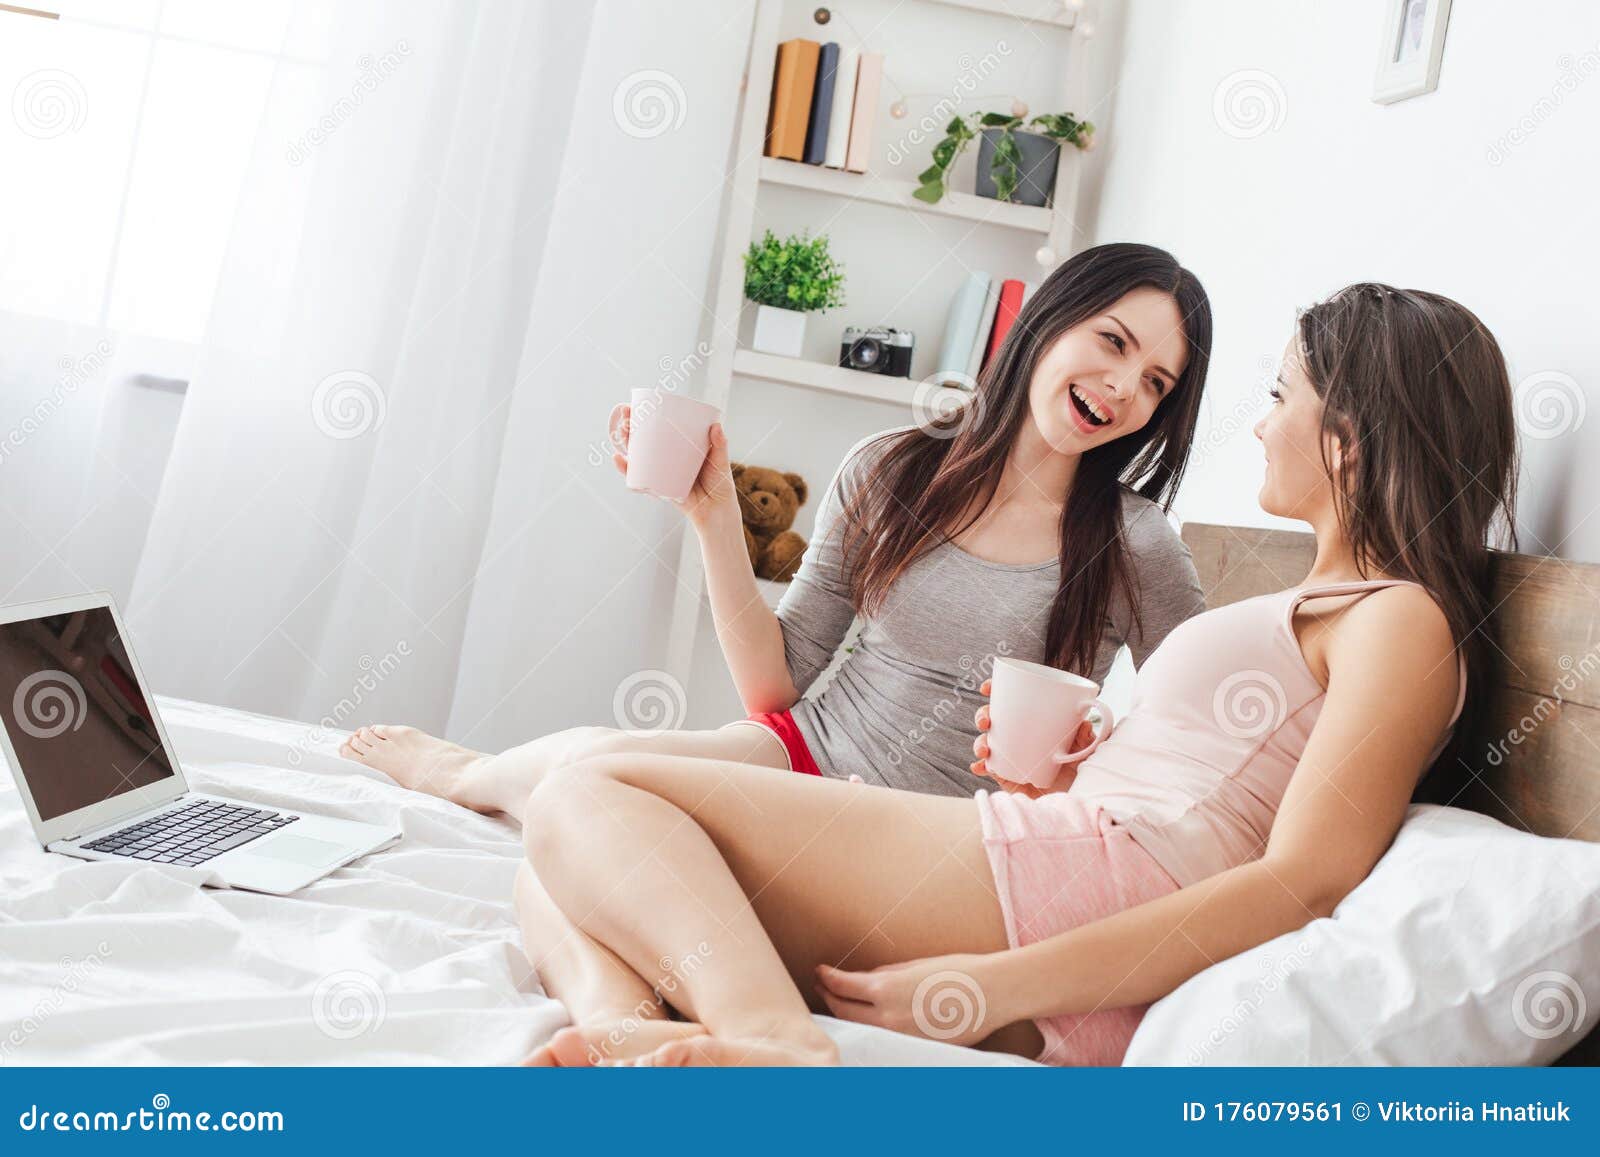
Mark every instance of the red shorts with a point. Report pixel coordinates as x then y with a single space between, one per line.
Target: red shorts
781 724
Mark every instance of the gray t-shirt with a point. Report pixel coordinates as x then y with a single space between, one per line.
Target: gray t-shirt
899 708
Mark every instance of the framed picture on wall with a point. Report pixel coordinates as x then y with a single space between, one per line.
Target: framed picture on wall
1413 43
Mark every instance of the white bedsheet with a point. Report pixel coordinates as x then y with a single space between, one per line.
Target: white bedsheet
409 956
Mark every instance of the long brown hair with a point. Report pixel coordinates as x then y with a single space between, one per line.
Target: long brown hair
1416 388
915 496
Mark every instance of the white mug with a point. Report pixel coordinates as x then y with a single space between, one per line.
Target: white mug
1034 713
669 436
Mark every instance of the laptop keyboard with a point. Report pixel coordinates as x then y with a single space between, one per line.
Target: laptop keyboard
191 834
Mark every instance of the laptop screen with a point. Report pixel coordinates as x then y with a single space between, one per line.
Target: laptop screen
75 712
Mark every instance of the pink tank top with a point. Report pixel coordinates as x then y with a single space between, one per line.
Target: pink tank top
1221 713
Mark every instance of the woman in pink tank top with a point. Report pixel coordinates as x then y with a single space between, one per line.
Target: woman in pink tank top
1271 750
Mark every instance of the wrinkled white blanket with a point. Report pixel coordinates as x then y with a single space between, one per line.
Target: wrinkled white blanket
409 956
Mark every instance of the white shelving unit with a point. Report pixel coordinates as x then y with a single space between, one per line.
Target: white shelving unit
1062 15
752 172
888 191
809 375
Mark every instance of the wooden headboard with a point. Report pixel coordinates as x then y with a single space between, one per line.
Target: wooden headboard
1532 757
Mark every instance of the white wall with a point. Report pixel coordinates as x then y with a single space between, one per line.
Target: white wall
1432 193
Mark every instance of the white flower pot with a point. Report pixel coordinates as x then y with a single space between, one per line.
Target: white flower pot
779 331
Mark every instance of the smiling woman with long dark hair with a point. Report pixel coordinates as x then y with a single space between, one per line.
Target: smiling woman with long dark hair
1090 446
1029 523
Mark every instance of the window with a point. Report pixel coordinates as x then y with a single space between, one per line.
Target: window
130 133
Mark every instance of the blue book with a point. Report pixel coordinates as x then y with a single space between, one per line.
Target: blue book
961 330
822 104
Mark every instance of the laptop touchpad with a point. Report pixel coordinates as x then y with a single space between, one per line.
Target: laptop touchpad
301 850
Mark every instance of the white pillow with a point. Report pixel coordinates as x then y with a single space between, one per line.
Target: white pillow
1471 943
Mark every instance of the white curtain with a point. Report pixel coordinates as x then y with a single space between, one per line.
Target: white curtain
461 240
575 585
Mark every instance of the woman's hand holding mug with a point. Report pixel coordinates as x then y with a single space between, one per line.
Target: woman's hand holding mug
1083 739
712 491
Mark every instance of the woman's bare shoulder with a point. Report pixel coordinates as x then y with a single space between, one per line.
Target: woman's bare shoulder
1398 634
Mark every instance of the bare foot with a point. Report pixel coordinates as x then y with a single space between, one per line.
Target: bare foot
609 1041
422 762
727 1052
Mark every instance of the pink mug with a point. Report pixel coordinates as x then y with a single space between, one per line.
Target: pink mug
1034 713
668 438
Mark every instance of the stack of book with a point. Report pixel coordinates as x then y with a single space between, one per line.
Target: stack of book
824 102
981 315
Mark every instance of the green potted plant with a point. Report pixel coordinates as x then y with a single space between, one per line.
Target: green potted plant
787 279
1016 162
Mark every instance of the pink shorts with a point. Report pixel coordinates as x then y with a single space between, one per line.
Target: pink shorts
1059 862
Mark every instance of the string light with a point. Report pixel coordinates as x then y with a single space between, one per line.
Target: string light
900 107
1045 255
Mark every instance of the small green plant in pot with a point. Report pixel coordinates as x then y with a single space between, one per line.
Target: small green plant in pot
788 279
1016 160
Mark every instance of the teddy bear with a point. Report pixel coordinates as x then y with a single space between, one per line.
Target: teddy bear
768 502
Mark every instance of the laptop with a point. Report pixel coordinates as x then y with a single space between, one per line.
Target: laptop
99 778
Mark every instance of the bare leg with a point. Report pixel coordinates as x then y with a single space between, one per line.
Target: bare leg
502 783
758 879
615 1014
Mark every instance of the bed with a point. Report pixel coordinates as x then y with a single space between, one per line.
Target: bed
411 956
407 957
